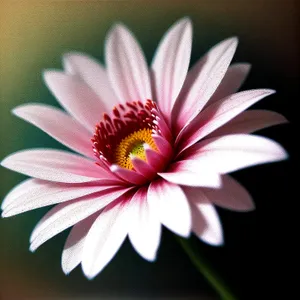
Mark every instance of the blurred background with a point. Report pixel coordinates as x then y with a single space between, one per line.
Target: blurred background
34 35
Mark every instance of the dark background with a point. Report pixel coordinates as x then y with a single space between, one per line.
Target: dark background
34 35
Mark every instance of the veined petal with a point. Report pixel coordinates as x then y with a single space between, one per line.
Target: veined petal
65 215
198 89
143 168
106 236
250 121
232 195
40 193
58 125
192 173
230 153
145 229
170 64
17 191
170 204
217 115
55 165
155 159
76 97
93 73
163 146
128 175
205 219
73 248
126 66
231 83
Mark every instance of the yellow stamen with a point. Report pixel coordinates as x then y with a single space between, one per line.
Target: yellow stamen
133 145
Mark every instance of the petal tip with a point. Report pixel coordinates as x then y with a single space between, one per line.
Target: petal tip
184 22
15 111
88 272
5 162
65 269
232 42
217 241
268 92
50 74
187 22
116 30
32 248
252 207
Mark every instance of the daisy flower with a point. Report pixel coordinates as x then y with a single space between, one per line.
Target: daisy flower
153 147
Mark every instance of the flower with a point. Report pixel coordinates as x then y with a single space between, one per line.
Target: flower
154 147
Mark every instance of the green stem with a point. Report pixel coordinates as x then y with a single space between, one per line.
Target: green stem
203 267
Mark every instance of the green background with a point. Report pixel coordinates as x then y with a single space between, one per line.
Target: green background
33 37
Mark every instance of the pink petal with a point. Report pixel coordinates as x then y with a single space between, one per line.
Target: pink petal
233 152
94 74
143 168
76 97
105 237
17 191
250 121
72 253
65 215
58 125
128 175
41 193
170 64
145 229
231 83
205 219
192 173
155 159
55 165
163 146
202 82
218 114
126 66
231 195
171 206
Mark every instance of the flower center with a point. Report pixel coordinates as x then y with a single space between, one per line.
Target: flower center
133 146
123 135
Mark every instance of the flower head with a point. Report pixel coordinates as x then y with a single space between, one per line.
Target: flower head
154 147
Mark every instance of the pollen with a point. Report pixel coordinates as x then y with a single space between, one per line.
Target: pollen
125 133
133 145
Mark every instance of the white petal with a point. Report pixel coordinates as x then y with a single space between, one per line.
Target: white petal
145 230
211 70
65 215
217 115
231 83
93 73
192 173
58 125
126 66
40 193
105 237
249 121
17 191
76 97
73 248
205 219
55 165
170 64
233 152
231 195
171 206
